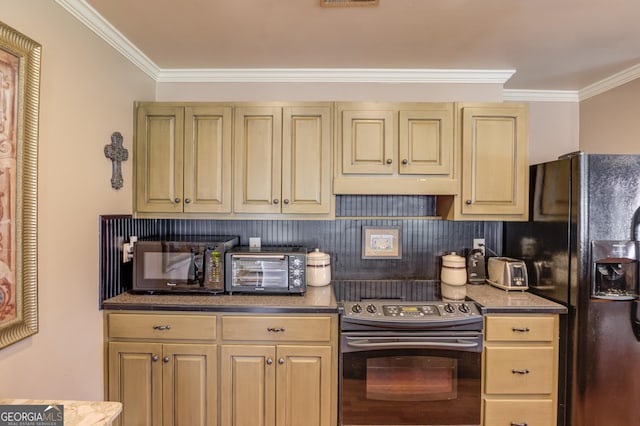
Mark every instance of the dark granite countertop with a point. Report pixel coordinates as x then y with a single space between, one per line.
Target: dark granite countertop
316 300
493 300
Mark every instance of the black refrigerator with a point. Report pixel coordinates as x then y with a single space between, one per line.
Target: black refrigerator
581 249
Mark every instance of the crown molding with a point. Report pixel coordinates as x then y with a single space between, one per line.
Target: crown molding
87 15
541 95
332 75
611 82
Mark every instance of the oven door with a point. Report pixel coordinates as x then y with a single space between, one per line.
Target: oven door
404 378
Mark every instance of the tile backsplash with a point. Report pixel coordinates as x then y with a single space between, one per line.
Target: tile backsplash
424 238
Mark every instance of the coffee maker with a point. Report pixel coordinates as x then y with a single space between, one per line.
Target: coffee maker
476 269
614 270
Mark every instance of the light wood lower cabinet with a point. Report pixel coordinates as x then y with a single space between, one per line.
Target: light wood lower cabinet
278 370
164 384
233 369
520 370
276 385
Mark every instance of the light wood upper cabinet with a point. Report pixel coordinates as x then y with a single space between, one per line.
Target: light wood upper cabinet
182 158
494 164
283 159
395 148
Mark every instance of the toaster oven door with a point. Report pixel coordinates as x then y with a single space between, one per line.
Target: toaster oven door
264 273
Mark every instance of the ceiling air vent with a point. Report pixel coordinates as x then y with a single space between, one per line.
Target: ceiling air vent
332 3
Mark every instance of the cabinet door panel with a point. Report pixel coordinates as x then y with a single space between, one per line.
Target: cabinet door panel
207 160
495 170
159 159
368 142
306 154
135 379
189 385
258 163
247 382
304 386
426 142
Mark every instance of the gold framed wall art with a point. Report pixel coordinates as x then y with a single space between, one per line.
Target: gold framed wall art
19 108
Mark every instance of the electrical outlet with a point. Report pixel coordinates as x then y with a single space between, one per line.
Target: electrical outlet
127 249
478 243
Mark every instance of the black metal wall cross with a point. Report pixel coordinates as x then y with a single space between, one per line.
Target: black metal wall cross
117 154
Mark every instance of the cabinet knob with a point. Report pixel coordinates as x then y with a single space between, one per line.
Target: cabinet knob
276 201
269 361
286 201
176 200
165 359
389 161
405 162
281 361
468 202
155 358
187 200
525 371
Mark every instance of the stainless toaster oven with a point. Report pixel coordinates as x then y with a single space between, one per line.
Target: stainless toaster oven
266 270
185 264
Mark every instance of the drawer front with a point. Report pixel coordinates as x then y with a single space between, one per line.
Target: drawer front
170 327
520 328
510 412
275 328
519 370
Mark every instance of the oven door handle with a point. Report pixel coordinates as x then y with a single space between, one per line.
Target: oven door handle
421 344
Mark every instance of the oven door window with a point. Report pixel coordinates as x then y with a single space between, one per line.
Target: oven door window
411 387
412 378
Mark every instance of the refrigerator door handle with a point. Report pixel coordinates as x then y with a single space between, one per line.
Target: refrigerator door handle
635 321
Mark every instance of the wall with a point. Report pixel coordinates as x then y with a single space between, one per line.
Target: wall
553 130
609 122
87 91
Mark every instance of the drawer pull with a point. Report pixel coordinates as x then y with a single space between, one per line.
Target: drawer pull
162 327
275 329
518 424
525 371
520 329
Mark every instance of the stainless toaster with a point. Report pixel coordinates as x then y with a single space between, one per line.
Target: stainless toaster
507 273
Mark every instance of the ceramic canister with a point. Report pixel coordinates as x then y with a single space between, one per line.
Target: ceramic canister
453 277
318 268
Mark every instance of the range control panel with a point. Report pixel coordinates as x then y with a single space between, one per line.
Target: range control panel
411 311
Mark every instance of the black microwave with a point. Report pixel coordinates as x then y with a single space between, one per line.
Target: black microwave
185 264
266 270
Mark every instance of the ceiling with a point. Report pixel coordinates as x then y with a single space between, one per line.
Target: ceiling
550 44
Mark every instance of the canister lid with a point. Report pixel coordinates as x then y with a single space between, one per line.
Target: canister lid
317 257
453 260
